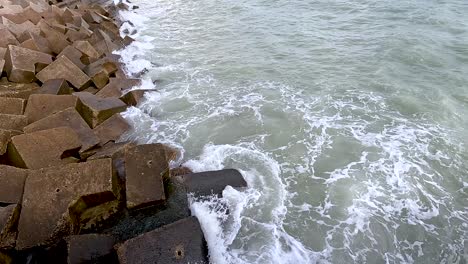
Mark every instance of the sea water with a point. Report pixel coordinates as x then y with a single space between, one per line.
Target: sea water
348 119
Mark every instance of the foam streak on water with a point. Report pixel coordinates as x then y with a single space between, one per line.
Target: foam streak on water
347 119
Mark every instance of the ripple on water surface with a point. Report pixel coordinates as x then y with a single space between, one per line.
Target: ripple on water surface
347 120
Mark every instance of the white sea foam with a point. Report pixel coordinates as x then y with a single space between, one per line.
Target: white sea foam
382 200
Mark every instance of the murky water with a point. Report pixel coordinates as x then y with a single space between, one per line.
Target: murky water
347 118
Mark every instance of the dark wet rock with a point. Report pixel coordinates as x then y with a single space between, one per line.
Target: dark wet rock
180 242
212 182
90 248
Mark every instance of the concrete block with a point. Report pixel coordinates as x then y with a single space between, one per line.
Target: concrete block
67 118
22 64
45 148
64 68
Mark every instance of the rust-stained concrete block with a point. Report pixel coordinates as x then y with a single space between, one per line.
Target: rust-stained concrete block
21 64
17 90
67 118
12 179
111 129
96 110
13 122
48 194
43 105
179 242
145 167
8 222
63 68
12 106
54 145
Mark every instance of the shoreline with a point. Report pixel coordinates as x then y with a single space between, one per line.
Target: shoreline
70 191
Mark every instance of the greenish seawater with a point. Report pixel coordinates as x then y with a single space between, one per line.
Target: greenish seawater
347 118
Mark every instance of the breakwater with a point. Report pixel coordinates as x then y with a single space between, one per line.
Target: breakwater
70 190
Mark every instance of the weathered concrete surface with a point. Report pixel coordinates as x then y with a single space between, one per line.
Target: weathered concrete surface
180 242
86 48
64 68
2 65
111 150
111 129
134 97
96 110
52 144
43 105
145 167
37 42
180 171
144 220
19 29
90 248
8 222
49 192
5 138
12 184
58 41
67 118
17 90
7 38
116 86
212 182
74 55
13 122
55 86
21 63
12 106
101 74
